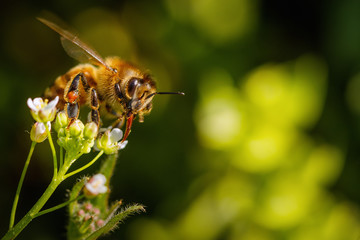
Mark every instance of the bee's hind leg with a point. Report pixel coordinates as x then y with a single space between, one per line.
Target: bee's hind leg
71 97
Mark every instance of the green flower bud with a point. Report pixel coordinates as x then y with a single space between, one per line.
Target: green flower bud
61 132
105 139
76 128
38 132
61 121
90 130
61 141
87 145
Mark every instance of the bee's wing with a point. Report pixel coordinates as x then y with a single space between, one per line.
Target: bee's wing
74 47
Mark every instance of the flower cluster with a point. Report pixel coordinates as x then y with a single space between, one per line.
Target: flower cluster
88 217
77 137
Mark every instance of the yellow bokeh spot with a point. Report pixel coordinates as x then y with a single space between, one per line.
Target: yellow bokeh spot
144 229
215 207
265 149
225 20
267 85
219 117
307 94
324 165
343 223
352 94
219 123
284 203
291 93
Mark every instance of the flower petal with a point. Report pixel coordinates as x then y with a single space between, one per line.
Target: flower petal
100 178
123 144
102 189
40 129
49 125
51 104
38 102
96 184
115 135
31 104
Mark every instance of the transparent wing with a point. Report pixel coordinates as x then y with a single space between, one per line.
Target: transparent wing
74 47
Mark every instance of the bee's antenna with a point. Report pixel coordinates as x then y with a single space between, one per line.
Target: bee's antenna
155 93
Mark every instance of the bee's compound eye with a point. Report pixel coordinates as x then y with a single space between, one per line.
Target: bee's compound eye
133 83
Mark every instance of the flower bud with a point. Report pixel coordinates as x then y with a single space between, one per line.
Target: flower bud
90 130
76 128
100 223
38 132
105 139
87 145
62 132
61 121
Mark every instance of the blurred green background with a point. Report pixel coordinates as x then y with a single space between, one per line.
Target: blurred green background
264 146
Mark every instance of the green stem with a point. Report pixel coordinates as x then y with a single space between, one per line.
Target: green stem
13 232
52 150
61 157
16 199
57 207
84 167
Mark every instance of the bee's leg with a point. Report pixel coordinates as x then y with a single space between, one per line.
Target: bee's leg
119 122
70 97
72 111
94 102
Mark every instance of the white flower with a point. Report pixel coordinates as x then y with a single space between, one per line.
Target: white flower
96 185
38 132
109 141
41 110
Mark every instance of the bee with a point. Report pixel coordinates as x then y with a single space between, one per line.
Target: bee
117 86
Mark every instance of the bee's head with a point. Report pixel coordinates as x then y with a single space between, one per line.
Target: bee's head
139 93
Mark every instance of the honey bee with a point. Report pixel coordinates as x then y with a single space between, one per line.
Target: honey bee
123 90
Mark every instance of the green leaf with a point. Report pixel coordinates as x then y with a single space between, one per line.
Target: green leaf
115 219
